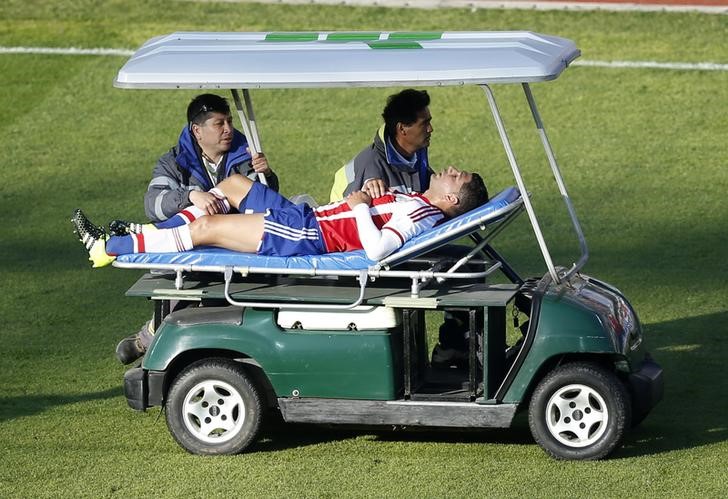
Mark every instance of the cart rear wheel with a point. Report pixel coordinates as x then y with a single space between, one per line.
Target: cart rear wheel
214 408
579 411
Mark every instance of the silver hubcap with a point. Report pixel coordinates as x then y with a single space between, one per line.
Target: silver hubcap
577 415
213 411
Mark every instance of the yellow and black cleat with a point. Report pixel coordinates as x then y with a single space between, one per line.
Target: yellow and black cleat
93 238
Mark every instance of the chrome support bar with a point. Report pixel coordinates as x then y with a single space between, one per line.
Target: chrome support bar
247 120
228 276
519 181
560 183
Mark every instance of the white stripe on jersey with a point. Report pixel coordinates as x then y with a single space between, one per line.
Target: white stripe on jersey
380 209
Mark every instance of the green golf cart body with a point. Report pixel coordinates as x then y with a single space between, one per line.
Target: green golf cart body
297 344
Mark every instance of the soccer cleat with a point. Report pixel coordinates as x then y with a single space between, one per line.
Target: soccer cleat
124 228
93 239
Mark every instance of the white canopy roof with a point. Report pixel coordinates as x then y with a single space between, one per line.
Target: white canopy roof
337 59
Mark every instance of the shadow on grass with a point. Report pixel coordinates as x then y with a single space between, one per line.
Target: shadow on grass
282 436
692 352
29 405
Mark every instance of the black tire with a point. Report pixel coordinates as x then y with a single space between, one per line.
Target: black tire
579 411
213 408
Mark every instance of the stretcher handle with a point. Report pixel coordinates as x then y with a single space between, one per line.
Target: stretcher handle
228 275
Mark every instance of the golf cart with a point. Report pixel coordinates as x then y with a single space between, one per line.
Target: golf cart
340 339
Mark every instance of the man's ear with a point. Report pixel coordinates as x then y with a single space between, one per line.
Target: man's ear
194 128
401 128
452 199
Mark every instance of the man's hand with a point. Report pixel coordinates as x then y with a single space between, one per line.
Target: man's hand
260 164
206 201
375 187
358 197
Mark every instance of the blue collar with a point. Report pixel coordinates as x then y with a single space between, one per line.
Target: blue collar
188 156
394 158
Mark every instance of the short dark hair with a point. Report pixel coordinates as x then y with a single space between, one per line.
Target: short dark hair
471 195
403 107
203 105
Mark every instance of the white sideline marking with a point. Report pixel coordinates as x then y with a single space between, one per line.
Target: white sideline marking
689 66
64 51
474 5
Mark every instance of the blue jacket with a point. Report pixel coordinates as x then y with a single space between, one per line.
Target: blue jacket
181 170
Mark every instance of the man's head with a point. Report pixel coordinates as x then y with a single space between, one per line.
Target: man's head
211 124
407 119
456 192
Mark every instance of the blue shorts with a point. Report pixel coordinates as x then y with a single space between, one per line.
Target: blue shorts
289 229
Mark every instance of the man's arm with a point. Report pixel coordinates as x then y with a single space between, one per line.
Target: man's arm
259 164
375 187
408 219
376 243
372 172
166 194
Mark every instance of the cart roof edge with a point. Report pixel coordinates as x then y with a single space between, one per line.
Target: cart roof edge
209 60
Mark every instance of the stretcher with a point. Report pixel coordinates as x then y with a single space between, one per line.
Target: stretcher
480 224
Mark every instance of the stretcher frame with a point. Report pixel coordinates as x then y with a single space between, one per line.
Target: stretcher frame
489 225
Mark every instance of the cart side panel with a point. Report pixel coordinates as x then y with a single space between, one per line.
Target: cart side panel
305 363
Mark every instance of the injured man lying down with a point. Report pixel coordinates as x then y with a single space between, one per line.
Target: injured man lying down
269 224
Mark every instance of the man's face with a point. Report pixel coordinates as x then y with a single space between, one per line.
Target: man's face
215 135
450 180
417 135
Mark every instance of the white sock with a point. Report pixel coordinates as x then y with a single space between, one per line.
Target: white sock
164 240
192 212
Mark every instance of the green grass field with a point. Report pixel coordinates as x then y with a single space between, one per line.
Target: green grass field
644 155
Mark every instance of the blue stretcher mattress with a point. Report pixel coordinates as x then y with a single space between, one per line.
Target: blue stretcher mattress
452 229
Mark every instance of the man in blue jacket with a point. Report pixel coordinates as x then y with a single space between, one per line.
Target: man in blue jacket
208 151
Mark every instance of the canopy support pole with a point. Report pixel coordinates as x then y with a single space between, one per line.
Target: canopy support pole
247 119
560 182
521 184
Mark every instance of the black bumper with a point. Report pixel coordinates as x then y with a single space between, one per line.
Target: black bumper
647 385
143 389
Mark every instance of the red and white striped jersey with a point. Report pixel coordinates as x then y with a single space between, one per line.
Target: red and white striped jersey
406 215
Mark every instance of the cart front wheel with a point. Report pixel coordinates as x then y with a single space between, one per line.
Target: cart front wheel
579 411
213 408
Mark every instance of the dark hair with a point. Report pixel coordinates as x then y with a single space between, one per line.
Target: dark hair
201 106
471 195
403 108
